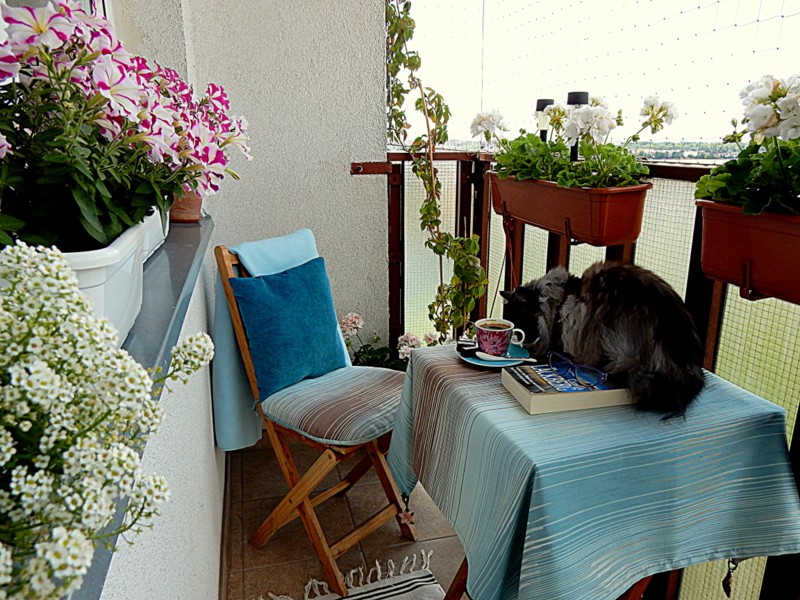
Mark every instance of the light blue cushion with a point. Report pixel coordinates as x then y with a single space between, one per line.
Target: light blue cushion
291 325
273 255
348 406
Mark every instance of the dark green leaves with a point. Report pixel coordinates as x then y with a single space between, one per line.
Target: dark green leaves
602 166
760 178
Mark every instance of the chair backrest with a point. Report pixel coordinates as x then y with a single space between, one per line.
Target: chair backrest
230 266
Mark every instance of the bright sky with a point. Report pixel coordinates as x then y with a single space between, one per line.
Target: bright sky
504 54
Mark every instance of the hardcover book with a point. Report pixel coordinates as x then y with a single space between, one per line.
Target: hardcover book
541 389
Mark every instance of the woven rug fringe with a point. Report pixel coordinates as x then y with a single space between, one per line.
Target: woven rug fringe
317 589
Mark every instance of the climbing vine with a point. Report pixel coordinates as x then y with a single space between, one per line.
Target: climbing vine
456 298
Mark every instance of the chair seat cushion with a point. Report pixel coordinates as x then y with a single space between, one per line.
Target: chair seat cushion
349 406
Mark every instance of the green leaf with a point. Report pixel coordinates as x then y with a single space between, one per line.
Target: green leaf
56 157
9 223
89 215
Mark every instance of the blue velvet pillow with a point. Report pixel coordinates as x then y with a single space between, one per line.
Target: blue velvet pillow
291 325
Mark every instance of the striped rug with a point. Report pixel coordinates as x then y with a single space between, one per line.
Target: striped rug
410 583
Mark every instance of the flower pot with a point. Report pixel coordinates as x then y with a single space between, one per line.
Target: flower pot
186 209
112 276
757 253
596 216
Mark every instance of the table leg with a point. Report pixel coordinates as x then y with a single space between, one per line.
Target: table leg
459 584
636 590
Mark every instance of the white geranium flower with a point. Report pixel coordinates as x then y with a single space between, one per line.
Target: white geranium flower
487 123
762 121
758 91
557 115
589 123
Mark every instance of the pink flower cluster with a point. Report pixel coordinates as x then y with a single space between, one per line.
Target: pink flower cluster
405 343
136 101
350 324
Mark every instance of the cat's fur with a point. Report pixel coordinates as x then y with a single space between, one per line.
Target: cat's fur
620 318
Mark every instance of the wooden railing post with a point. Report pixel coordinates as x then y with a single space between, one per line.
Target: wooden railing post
396 197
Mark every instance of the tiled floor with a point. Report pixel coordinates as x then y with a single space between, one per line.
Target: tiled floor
286 563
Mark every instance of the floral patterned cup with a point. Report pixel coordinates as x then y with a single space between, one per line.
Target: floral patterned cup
495 335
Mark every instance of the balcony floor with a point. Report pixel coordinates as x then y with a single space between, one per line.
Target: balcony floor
286 563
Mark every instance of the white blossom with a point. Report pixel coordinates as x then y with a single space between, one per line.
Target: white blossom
80 411
487 124
589 123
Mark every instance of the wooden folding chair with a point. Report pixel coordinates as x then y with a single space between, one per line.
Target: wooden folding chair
300 502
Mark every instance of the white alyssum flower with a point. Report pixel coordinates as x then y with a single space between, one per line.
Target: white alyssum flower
75 413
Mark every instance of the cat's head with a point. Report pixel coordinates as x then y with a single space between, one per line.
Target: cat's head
533 307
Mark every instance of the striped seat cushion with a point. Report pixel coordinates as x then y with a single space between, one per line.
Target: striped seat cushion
348 406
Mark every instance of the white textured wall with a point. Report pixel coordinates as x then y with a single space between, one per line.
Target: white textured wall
308 75
178 558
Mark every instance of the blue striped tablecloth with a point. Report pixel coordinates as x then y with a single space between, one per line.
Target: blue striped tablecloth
583 504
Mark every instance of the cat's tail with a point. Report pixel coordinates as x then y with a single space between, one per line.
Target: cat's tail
668 390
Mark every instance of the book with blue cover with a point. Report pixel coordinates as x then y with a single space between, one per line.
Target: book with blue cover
541 389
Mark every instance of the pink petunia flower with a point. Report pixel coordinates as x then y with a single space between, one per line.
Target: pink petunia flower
218 97
121 90
42 26
5 147
9 64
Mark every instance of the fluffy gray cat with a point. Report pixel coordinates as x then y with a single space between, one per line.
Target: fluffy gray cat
622 319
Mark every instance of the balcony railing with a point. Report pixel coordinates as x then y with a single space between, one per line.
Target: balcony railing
753 344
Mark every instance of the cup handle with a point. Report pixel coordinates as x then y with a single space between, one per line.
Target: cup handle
514 339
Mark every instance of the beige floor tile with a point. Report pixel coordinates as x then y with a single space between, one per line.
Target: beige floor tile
287 562
235 589
262 477
344 468
429 521
234 476
290 543
235 539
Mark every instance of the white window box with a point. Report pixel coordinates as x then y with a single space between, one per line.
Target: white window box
112 276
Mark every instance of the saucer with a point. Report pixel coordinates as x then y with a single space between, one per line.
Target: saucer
514 351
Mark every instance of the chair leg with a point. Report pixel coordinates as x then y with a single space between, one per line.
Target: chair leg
390 488
298 500
300 491
360 469
333 575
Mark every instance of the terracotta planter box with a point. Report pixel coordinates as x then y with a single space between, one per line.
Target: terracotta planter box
757 253
596 216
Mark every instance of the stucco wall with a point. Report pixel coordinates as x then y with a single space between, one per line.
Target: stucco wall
179 557
309 78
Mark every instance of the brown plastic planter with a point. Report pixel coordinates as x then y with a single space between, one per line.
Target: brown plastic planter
596 216
757 253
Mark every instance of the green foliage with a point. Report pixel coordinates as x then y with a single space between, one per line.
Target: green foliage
603 165
65 183
762 177
375 355
457 298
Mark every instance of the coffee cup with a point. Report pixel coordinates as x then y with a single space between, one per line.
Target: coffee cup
495 335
